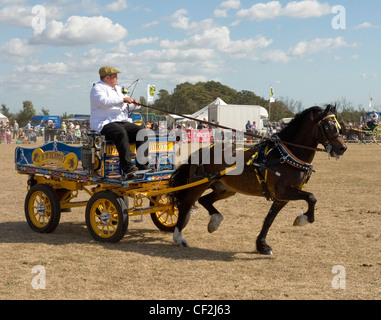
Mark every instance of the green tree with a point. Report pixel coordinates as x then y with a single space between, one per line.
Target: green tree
188 98
45 112
246 97
163 101
5 111
26 113
279 110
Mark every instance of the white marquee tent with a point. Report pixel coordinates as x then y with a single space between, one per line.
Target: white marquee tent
3 119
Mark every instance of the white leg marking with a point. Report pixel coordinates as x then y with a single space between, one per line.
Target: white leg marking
178 238
215 221
301 221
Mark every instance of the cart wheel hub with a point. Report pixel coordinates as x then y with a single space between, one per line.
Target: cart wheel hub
105 218
41 209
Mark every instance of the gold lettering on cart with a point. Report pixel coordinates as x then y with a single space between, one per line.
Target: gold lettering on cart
67 161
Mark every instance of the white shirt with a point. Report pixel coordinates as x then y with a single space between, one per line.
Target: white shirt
106 106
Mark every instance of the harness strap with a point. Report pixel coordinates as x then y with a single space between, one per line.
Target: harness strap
189 185
288 157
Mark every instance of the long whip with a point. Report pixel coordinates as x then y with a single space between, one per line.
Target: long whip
234 130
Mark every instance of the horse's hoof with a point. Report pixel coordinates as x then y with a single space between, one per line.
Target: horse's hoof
266 252
215 221
184 244
264 249
178 239
301 221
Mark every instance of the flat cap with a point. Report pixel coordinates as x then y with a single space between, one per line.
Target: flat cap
107 71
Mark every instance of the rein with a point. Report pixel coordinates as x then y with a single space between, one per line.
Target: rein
245 133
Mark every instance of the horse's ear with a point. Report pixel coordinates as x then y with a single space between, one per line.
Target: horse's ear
330 109
327 110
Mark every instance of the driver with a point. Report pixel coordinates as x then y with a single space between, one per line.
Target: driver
110 115
374 117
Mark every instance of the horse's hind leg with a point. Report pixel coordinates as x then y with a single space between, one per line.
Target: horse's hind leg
183 217
219 192
185 201
262 246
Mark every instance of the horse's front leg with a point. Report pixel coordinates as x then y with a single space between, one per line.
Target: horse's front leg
309 216
262 246
220 192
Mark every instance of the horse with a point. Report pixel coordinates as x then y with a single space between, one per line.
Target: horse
276 168
348 130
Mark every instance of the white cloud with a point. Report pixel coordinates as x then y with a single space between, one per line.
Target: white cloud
78 31
246 48
276 55
369 76
231 4
12 1
261 11
150 24
117 5
54 68
175 55
271 10
218 39
220 13
307 9
208 38
137 42
17 49
366 25
305 48
22 16
181 21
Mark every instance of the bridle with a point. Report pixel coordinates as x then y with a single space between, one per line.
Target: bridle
324 126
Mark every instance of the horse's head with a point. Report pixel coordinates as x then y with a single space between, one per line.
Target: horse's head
329 133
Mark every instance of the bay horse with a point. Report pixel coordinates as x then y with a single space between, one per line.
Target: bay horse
277 168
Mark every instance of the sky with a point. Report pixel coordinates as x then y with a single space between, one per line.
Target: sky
312 51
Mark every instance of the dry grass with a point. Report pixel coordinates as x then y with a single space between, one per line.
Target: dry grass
146 265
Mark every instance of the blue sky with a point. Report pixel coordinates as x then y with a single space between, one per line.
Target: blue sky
304 49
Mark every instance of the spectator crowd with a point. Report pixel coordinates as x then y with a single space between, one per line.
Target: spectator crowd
69 132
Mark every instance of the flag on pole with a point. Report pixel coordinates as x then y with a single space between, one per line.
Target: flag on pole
150 92
370 103
272 99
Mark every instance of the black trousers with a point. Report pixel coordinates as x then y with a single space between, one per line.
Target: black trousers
122 133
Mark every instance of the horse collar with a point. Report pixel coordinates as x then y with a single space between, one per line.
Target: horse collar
288 157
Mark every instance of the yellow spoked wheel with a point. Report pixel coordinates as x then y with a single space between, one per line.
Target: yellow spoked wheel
376 134
106 217
42 208
166 218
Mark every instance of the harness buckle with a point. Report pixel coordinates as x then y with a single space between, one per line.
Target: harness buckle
283 159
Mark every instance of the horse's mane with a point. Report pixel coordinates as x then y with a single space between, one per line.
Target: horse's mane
293 127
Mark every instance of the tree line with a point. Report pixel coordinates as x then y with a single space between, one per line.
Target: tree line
188 98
